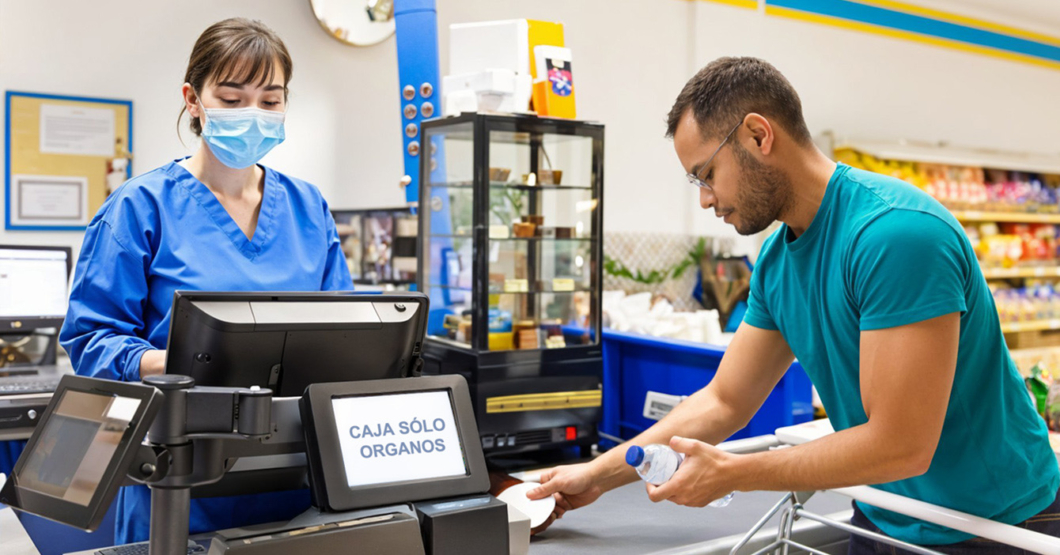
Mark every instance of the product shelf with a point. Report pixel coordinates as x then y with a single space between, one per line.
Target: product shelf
1014 217
1026 358
934 153
1031 272
1031 325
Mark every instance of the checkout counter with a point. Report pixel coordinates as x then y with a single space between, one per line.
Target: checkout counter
393 460
622 522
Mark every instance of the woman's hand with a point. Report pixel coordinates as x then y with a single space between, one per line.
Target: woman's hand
152 363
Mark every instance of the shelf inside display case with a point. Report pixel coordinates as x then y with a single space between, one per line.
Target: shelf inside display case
499 291
496 291
517 186
497 239
459 133
554 239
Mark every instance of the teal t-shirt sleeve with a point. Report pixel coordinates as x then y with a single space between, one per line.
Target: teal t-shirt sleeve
906 267
758 314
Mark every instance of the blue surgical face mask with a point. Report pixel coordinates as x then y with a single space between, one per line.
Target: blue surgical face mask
240 137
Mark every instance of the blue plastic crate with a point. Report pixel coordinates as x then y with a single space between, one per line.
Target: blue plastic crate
635 364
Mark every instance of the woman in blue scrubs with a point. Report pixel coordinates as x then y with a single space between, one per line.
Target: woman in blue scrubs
215 221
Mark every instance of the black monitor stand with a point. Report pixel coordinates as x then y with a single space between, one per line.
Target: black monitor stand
198 428
189 448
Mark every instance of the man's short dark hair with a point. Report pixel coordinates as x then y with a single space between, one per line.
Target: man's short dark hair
728 89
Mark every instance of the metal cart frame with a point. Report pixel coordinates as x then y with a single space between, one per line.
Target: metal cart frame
791 509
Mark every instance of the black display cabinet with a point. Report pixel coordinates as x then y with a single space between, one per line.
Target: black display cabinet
511 253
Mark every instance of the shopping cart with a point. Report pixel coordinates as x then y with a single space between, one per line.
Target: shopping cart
791 509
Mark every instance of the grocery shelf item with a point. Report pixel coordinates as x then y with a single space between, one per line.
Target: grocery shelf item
1014 245
1027 304
968 187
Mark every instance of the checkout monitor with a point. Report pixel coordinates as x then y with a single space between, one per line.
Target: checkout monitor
33 287
391 441
286 341
80 451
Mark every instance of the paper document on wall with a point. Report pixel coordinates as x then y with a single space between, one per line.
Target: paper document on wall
76 130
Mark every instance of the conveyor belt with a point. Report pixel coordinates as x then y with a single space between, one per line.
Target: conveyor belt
625 521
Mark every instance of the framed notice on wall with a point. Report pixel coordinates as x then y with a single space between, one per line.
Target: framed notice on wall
63 156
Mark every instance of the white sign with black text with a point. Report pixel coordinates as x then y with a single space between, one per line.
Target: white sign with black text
398 438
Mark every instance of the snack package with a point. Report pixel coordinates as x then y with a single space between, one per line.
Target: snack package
1038 385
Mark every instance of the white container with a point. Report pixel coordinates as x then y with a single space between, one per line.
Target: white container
491 90
474 47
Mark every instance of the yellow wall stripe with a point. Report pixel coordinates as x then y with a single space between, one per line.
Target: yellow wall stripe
749 4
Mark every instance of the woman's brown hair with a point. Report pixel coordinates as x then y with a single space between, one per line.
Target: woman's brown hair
238 50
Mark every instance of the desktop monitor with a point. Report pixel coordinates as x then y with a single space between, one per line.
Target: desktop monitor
33 287
81 450
286 341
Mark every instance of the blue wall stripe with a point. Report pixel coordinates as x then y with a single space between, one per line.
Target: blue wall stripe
875 15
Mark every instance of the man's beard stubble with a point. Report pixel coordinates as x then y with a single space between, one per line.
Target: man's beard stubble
763 194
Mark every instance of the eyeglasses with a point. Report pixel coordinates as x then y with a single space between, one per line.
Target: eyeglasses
699 182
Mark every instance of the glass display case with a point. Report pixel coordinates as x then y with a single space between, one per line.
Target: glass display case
511 247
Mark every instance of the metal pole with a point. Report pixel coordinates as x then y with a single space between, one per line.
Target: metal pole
792 514
761 522
963 522
169 521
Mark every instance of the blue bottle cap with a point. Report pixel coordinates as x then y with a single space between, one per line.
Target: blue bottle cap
635 455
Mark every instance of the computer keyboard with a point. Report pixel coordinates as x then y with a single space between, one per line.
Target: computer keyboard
141 549
15 386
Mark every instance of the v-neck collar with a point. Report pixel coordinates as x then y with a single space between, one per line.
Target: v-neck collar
202 194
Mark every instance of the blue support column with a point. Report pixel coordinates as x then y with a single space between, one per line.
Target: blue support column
416 29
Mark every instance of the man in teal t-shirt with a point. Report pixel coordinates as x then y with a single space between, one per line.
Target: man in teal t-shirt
874 287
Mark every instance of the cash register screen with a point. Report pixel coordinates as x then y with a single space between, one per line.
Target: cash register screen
398 438
76 445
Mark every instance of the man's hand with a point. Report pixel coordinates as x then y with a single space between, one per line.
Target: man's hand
573 486
703 477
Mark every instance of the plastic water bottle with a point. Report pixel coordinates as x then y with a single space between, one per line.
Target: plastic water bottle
656 463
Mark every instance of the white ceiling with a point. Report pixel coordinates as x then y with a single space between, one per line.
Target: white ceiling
1041 16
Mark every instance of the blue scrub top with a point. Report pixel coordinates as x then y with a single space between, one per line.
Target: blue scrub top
163 231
